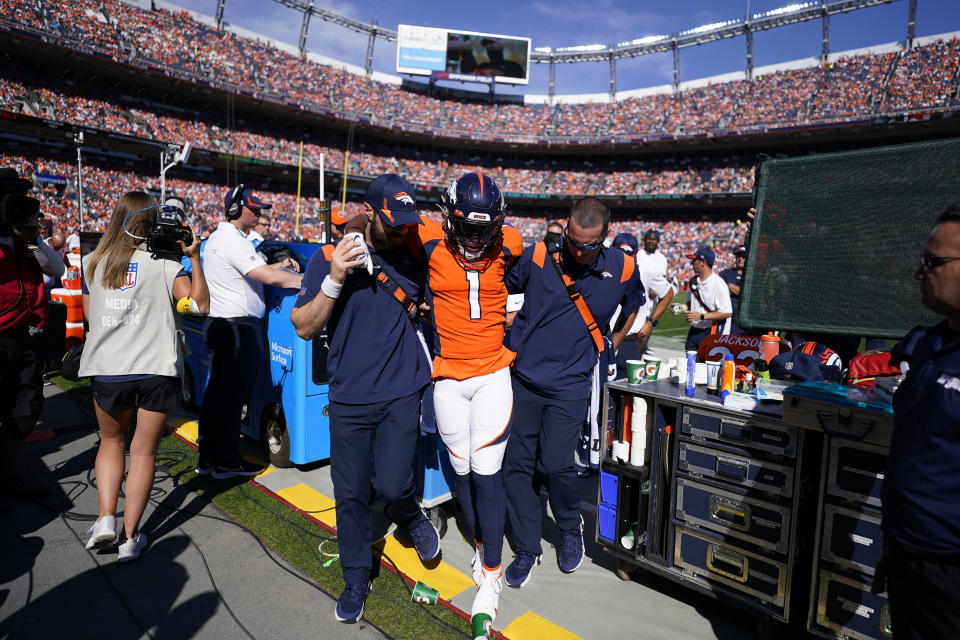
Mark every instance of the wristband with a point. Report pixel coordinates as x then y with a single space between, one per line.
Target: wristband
652 322
702 317
330 288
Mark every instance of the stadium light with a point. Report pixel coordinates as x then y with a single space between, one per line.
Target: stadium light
543 49
790 8
643 40
584 48
709 27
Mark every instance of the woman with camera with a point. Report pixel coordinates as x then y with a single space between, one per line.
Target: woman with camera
133 353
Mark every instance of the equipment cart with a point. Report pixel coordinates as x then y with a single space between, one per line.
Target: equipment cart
774 514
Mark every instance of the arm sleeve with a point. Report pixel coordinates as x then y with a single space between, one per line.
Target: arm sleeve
518 274
317 269
50 261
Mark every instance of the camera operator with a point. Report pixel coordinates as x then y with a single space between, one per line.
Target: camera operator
133 352
24 260
236 274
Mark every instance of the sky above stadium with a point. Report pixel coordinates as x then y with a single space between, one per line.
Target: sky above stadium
559 23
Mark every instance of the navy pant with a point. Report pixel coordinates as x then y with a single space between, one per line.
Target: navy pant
236 351
365 440
924 601
21 382
543 439
695 336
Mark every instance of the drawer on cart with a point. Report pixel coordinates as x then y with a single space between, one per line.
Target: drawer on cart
726 564
765 436
855 471
738 469
846 606
764 524
851 539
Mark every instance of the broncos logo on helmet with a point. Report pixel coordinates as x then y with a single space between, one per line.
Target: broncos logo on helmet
473 215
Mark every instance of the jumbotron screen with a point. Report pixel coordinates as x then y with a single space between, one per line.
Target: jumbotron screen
462 55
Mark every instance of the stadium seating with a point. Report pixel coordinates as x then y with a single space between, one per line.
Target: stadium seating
103 186
857 87
122 114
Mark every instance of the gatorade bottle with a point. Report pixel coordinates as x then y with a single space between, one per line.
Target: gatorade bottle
481 625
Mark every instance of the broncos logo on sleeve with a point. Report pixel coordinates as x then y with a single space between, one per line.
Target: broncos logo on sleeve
469 302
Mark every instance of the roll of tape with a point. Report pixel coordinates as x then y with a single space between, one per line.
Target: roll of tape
621 451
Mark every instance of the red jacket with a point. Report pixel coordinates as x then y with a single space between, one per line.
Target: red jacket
26 306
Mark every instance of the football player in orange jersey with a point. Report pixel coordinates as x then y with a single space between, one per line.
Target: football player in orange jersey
467 257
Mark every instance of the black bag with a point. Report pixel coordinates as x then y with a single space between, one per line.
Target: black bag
70 366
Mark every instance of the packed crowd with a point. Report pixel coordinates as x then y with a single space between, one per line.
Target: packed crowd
124 114
925 77
102 186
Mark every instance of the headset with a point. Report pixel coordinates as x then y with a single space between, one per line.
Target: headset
235 208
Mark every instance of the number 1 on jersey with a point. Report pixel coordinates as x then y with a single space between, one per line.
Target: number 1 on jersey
473 279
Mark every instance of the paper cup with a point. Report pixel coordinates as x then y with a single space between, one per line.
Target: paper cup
635 371
424 594
700 373
651 367
713 376
628 539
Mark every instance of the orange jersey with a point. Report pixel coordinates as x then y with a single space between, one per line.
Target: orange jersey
469 305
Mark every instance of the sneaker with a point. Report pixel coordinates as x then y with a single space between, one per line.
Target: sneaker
131 548
245 470
103 533
426 538
520 570
351 601
488 593
476 565
570 551
204 469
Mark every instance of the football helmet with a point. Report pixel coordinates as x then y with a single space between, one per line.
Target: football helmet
473 214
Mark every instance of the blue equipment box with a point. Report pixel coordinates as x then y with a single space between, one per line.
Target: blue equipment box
847 607
856 471
852 539
761 523
722 563
741 470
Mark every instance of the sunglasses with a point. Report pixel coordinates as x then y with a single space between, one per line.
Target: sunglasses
930 262
582 246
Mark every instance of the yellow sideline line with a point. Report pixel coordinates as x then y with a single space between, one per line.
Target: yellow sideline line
446 579
443 577
187 429
530 626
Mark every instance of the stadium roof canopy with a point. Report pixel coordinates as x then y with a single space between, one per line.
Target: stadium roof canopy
703 34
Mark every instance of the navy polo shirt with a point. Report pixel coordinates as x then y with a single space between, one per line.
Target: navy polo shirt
375 354
921 487
555 352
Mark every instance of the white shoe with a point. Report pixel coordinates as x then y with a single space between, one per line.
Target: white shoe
103 533
488 593
131 548
476 565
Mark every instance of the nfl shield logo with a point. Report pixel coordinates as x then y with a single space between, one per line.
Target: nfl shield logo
131 280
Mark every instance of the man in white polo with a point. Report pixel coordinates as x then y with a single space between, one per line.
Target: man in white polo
235 275
709 297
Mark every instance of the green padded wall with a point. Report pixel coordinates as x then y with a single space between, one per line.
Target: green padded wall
838 237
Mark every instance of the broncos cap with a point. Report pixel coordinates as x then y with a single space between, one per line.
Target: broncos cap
394 199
